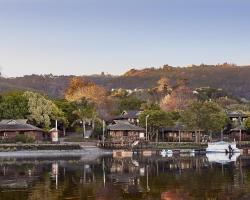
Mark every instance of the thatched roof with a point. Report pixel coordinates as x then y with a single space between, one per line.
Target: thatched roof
122 125
12 125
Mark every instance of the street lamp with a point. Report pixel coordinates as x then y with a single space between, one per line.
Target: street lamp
147 127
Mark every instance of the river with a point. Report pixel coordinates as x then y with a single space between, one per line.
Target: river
106 178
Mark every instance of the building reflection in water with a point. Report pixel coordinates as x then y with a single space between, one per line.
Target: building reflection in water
186 177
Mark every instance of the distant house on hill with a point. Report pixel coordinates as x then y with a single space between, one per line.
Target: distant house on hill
130 115
12 128
124 130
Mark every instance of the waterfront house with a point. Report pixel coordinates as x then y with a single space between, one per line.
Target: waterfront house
239 133
179 133
237 130
123 130
11 128
131 116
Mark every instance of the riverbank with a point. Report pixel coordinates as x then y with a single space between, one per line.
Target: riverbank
157 145
34 147
67 146
89 152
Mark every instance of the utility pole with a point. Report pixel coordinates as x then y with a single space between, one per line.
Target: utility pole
147 137
103 132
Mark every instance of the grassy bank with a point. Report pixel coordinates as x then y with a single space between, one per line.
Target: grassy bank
33 147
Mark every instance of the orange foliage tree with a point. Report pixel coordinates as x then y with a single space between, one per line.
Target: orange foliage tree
80 88
178 99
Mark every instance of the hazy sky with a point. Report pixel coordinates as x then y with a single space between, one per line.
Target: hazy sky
91 36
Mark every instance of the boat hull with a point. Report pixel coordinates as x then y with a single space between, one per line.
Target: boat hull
222 147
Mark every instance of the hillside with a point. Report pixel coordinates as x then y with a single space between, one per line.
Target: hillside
233 79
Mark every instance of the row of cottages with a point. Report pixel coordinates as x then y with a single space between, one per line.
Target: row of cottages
126 126
9 129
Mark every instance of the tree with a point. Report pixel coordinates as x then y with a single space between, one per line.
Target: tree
129 103
157 119
13 106
164 86
67 108
80 88
119 93
178 99
247 124
85 113
42 111
206 116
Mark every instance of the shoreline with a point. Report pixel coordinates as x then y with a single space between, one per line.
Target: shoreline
87 151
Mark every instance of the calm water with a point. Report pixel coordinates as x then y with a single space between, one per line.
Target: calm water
107 178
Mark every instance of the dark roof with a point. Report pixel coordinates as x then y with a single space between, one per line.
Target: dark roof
236 114
129 114
238 128
17 125
120 125
177 127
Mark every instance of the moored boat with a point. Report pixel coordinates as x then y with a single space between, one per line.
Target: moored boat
222 147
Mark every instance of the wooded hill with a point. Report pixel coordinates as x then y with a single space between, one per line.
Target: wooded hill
235 80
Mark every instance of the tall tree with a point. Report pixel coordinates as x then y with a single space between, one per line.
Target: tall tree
13 106
157 119
178 99
42 111
129 103
80 88
85 113
206 116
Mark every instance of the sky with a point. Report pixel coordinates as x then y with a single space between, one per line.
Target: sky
93 36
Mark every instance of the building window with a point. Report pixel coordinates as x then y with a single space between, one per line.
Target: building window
125 134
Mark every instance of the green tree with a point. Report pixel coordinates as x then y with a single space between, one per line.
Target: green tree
42 111
85 113
247 124
67 108
13 106
129 103
206 116
157 119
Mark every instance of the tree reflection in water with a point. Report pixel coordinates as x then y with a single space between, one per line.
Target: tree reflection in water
107 178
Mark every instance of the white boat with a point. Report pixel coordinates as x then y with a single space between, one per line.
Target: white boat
165 153
222 158
222 147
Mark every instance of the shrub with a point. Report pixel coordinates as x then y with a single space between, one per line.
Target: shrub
24 139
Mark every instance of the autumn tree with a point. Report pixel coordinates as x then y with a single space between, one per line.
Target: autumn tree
80 88
162 89
178 99
164 85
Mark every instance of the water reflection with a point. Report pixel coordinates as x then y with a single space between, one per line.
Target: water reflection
107 178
